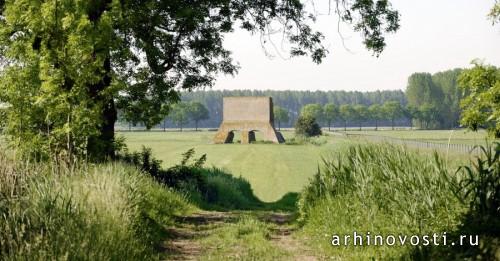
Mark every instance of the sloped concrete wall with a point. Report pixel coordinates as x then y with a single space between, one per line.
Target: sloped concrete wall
247 109
247 114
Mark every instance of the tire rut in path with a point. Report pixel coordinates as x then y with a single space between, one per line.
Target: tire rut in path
182 242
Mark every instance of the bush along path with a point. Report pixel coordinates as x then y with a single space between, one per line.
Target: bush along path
372 180
236 235
232 223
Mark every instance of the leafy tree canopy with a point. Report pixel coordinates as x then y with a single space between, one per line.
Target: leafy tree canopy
330 113
68 65
180 114
481 107
347 112
307 126
495 12
197 112
280 115
375 111
392 111
314 110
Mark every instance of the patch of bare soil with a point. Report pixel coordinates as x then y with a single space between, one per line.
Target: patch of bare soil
283 237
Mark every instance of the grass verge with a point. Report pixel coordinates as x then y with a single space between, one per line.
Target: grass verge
382 189
92 212
246 239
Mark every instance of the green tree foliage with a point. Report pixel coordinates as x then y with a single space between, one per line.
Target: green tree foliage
292 101
330 113
307 126
428 115
376 113
494 14
180 114
439 91
3 115
314 110
70 65
411 113
481 107
347 113
447 81
280 115
197 112
392 110
421 89
361 113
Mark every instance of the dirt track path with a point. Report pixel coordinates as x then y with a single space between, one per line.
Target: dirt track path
187 240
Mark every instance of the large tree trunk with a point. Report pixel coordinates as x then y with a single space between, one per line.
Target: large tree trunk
101 146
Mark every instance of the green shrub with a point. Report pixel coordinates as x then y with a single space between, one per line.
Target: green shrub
184 176
480 188
86 212
209 188
383 189
302 140
227 192
307 126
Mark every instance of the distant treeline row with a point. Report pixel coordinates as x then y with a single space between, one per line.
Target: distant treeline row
438 95
433 97
292 101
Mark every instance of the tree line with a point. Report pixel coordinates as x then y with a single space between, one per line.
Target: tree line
67 71
430 101
354 114
290 101
434 99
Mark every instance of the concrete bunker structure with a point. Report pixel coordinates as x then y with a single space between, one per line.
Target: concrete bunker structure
247 115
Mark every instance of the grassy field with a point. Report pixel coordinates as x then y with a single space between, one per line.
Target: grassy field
272 169
374 189
437 136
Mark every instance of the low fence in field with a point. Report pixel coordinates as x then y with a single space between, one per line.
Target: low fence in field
462 148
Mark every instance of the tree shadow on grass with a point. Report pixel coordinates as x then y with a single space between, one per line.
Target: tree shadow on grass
226 203
223 192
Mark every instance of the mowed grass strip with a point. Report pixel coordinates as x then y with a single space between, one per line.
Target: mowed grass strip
272 169
459 136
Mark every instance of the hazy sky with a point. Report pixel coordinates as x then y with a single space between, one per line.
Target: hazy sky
435 35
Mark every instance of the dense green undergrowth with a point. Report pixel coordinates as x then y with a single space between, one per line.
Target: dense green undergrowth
389 190
118 210
109 211
208 188
90 212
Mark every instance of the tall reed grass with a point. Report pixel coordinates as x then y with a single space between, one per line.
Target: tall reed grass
86 212
383 189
